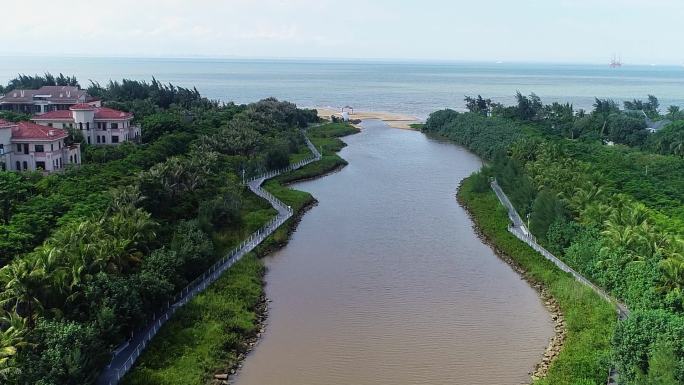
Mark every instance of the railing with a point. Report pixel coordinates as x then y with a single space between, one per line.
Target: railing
127 353
521 232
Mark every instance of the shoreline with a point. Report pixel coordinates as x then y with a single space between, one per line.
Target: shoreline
269 246
394 120
538 371
584 321
560 331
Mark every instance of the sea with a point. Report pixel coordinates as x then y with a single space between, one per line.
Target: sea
411 87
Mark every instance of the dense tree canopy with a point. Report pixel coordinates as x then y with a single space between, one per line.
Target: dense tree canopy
91 253
613 212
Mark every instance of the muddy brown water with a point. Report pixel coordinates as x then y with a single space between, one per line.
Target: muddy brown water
385 281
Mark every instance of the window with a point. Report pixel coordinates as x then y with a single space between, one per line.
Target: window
59 144
80 126
40 165
39 148
18 167
25 165
104 139
115 139
18 147
26 148
115 126
98 138
88 140
49 124
71 159
3 167
52 147
87 126
76 158
2 148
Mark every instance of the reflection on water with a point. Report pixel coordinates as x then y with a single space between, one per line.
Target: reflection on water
385 282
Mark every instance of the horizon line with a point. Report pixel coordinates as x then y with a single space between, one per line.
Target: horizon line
328 59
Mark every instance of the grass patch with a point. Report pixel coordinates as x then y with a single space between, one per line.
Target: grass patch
207 334
590 320
256 212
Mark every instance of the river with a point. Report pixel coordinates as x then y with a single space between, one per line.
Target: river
385 281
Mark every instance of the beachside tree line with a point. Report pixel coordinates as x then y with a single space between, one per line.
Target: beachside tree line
612 212
92 253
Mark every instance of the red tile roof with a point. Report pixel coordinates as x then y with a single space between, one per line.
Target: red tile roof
55 115
32 131
4 123
110 113
82 107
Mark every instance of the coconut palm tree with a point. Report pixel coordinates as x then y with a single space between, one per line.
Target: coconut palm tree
677 147
23 281
12 332
673 272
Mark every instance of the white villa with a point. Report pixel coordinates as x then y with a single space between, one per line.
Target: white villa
99 125
26 146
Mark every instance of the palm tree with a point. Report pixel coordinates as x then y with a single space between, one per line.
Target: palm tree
12 331
677 147
23 280
672 112
673 272
585 195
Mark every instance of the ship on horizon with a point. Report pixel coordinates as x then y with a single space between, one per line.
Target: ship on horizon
615 62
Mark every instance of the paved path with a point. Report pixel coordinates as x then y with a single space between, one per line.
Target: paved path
126 354
521 231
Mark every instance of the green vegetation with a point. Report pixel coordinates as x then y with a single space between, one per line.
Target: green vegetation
207 334
36 81
612 212
589 319
92 253
214 329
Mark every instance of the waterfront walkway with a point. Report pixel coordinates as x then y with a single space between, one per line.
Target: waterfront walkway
518 228
126 354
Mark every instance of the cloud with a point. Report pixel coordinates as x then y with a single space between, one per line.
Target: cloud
579 30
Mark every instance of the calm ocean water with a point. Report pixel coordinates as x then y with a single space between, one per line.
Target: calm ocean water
410 87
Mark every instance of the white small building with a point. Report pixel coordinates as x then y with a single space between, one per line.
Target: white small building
99 125
28 146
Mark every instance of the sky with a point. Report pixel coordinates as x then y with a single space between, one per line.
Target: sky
571 31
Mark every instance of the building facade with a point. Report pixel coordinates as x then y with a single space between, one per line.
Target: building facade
27 146
99 125
44 99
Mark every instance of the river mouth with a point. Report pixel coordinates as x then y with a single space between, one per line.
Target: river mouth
386 282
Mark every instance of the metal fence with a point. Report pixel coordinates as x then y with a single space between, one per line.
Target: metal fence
521 232
127 353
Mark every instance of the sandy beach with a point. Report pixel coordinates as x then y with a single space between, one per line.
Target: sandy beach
392 119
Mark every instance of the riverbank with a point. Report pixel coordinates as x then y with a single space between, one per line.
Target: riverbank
211 335
584 321
395 120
